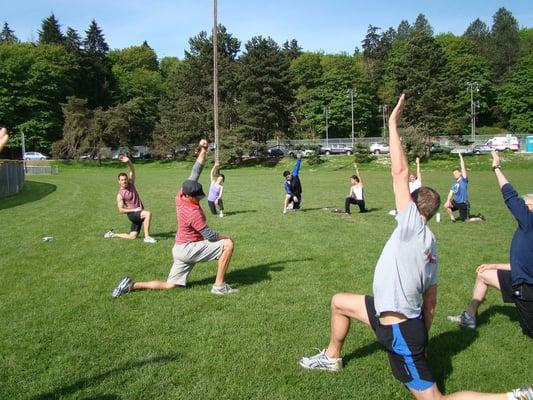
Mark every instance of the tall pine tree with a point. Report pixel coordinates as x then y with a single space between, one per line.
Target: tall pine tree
8 35
50 31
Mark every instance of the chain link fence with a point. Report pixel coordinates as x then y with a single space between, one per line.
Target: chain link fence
11 177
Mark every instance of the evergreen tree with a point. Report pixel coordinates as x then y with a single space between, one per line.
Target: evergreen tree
422 26
72 40
94 41
505 43
50 31
292 49
7 35
404 30
265 92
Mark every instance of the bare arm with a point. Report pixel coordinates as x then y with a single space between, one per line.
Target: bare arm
131 169
418 173
399 168
463 167
484 267
429 305
449 199
357 173
122 209
214 171
3 137
220 193
502 180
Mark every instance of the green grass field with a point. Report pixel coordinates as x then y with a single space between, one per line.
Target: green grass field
64 337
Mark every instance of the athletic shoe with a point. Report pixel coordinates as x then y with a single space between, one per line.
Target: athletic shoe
285 211
393 213
525 393
109 234
290 206
150 240
123 287
221 214
464 319
321 361
222 290
453 220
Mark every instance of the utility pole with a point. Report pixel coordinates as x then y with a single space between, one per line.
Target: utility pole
470 88
352 91
326 112
384 113
215 79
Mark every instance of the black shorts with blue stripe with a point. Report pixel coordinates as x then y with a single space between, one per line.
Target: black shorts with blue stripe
406 345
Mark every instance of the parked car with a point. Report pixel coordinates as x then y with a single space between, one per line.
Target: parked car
481 149
336 149
303 152
508 142
379 148
439 148
275 152
34 155
462 150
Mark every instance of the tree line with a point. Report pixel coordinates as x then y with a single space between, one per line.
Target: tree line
71 95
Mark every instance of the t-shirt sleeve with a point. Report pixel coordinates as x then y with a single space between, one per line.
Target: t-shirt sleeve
409 221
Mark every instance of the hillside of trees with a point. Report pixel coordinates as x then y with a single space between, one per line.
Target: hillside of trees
71 95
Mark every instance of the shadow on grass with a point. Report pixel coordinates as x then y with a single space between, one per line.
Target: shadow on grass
96 379
509 311
238 212
363 351
250 275
32 191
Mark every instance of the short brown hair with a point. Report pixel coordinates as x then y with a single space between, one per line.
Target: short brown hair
427 201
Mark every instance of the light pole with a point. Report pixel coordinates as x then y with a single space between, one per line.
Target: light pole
384 110
326 111
352 91
470 88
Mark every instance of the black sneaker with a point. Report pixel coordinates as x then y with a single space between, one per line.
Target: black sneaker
123 287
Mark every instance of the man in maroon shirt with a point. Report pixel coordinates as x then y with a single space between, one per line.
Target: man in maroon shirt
195 241
129 203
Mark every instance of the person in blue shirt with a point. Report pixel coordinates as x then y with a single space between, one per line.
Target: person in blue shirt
458 195
293 187
514 279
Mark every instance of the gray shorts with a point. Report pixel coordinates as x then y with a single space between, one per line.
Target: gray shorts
187 254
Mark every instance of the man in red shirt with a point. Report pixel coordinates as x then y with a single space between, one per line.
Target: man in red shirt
129 202
195 241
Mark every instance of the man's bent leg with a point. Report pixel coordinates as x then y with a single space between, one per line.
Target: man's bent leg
484 280
131 236
223 262
154 285
147 219
343 307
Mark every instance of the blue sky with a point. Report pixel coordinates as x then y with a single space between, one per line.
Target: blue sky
332 26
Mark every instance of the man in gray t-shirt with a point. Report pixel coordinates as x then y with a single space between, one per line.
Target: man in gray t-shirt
405 288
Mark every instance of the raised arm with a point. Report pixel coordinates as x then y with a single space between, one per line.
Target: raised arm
399 167
418 173
463 167
296 169
502 180
200 161
514 203
131 168
357 173
3 137
214 171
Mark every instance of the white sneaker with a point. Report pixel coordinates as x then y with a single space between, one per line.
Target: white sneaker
221 214
393 213
285 211
150 240
321 361
290 206
525 393
224 289
109 234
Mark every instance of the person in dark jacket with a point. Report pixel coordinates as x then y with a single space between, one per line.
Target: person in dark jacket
293 187
514 279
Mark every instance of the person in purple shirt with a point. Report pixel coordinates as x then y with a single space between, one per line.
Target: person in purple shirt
293 187
214 198
514 279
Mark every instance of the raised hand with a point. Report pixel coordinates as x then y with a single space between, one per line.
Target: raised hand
203 144
396 114
124 158
495 158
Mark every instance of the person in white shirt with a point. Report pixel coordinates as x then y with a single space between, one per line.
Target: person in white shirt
356 194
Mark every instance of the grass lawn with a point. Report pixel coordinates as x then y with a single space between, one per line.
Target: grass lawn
64 337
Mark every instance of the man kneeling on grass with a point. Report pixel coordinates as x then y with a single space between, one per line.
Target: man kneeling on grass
195 241
405 290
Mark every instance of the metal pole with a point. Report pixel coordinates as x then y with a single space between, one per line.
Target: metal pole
215 79
353 130
326 110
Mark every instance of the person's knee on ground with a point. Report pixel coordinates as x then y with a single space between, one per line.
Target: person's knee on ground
133 235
